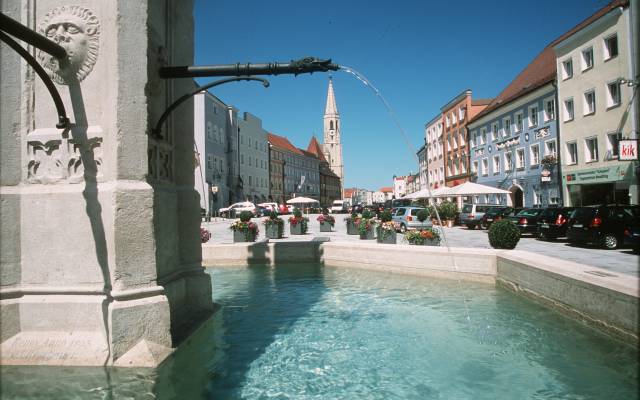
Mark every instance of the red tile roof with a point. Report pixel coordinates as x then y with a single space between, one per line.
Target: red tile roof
315 148
542 69
348 193
283 143
386 189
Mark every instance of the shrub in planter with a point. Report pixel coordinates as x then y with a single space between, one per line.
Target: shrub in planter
426 237
503 234
326 222
366 228
297 223
273 226
205 235
352 224
447 210
386 233
243 229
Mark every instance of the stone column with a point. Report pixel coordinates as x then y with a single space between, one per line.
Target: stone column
100 252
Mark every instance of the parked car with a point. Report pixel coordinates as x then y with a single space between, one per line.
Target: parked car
237 208
552 223
269 206
601 225
494 214
262 211
632 236
407 218
339 207
471 214
527 220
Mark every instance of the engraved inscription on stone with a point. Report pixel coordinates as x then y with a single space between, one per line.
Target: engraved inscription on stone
76 29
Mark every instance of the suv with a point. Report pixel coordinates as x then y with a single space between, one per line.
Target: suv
407 218
471 214
552 223
602 225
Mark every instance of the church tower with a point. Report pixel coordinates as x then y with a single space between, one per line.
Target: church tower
332 148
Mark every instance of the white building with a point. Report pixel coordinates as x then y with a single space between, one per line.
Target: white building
399 186
593 61
254 158
435 152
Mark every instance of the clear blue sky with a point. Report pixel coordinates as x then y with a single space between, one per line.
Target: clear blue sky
419 54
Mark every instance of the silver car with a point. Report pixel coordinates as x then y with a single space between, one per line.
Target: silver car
407 218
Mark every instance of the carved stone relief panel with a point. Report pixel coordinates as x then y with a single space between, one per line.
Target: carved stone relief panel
54 159
77 29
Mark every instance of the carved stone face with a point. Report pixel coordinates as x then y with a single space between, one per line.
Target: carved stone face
76 29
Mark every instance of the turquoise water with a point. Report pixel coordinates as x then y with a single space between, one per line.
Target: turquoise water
310 332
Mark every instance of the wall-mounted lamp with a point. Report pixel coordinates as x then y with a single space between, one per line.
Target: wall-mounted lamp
628 82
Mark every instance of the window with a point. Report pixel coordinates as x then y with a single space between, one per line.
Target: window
485 167
567 69
508 162
589 106
494 131
568 110
453 118
550 148
496 165
474 167
533 115
209 131
610 47
549 110
520 158
461 113
241 158
613 140
519 119
591 149
483 133
587 58
209 161
474 138
534 154
613 94
448 121
250 162
507 126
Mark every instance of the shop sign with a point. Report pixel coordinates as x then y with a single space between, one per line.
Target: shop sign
545 175
628 150
596 175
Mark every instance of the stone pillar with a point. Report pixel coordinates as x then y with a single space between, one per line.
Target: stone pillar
100 251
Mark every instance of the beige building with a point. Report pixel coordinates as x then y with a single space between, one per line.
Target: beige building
435 152
595 109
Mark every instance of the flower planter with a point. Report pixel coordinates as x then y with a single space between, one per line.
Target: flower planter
273 231
296 229
325 227
352 229
369 235
388 237
427 242
241 237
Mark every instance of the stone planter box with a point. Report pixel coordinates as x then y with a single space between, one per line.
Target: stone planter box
390 237
296 229
273 231
325 227
371 234
428 242
352 229
239 237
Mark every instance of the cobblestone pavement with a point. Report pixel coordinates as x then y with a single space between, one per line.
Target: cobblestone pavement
621 260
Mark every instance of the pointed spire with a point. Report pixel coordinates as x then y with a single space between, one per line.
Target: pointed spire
331 108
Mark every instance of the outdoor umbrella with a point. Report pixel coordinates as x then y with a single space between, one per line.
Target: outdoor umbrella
471 188
302 200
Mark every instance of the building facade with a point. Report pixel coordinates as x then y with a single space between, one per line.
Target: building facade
332 147
399 186
276 174
330 185
456 113
596 113
301 169
422 166
212 129
435 152
254 158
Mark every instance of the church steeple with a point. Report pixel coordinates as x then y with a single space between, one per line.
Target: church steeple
332 148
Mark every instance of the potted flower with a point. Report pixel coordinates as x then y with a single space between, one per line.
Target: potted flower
352 221
326 222
366 226
422 216
273 226
386 229
548 161
243 229
448 211
425 237
298 223
205 235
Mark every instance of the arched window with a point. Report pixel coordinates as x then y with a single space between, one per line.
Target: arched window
331 124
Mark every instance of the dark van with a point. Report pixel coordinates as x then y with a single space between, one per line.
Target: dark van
601 225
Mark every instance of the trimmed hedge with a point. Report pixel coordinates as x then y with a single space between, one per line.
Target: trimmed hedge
246 216
503 234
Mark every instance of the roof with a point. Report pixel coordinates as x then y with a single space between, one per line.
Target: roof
455 100
283 143
308 154
386 189
481 102
349 192
330 108
315 148
542 69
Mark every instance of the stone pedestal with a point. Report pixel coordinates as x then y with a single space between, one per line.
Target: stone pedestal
325 227
100 252
273 231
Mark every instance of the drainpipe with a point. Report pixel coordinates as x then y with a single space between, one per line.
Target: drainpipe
559 143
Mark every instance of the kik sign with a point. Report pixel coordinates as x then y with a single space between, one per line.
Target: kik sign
628 150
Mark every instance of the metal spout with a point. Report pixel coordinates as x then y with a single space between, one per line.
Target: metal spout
295 67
